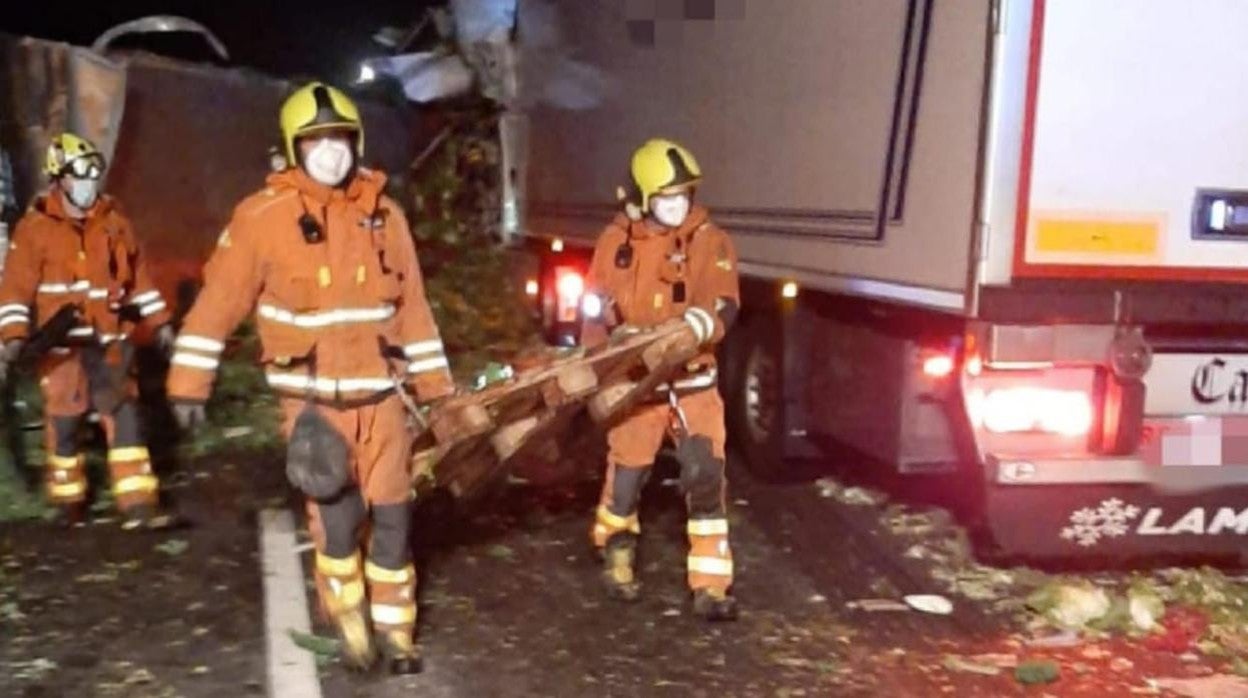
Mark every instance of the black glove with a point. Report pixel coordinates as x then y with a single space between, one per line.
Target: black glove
165 338
8 357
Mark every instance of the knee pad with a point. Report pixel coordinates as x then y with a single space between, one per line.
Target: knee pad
66 430
341 518
391 525
626 487
126 431
701 473
317 457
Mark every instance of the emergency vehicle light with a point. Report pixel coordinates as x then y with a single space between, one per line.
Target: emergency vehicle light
530 287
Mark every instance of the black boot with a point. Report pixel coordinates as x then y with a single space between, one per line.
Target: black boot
401 654
714 605
72 514
148 517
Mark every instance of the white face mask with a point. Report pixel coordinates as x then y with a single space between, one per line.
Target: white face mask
329 161
82 193
670 209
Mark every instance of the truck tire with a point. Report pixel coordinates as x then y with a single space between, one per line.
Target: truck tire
754 397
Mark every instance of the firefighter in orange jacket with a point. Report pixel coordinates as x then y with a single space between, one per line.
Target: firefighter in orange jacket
660 260
74 253
329 264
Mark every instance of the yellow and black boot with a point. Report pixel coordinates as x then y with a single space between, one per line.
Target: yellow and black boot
135 487
392 600
619 567
66 486
714 604
340 586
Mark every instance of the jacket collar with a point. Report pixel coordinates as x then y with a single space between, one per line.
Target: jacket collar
647 227
364 189
52 205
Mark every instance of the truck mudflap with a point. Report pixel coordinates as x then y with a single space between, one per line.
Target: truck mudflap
1117 508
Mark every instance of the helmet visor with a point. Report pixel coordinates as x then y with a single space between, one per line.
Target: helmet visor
88 167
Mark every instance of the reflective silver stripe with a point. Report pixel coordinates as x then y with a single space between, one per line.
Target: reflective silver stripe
708 527
393 615
695 323
144 298
98 294
195 361
329 386
13 320
702 322
710 565
81 332
710 319
328 317
430 346
152 308
702 380
14 309
427 364
191 341
109 338
76 287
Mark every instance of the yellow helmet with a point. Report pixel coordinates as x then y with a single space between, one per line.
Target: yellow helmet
661 166
319 107
68 148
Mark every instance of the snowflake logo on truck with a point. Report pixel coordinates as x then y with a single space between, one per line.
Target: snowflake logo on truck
1109 520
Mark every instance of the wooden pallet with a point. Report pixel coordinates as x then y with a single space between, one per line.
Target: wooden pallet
472 438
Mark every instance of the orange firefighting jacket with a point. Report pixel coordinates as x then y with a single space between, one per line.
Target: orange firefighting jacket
645 285
94 263
340 320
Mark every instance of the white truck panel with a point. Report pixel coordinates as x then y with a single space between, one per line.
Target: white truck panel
1137 108
790 110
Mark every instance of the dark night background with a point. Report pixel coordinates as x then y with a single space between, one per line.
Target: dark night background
312 38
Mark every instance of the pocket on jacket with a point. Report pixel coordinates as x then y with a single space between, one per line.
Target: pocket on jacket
294 293
387 288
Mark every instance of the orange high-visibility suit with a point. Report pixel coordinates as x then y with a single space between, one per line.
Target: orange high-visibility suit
689 272
95 264
342 321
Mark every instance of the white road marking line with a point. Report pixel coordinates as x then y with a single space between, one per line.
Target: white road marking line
291 670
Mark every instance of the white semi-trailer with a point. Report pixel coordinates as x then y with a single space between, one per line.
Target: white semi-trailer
1006 240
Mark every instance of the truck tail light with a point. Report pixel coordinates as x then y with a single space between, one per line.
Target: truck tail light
569 286
938 365
1050 410
1021 409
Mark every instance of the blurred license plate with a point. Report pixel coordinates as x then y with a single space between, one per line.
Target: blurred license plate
1195 441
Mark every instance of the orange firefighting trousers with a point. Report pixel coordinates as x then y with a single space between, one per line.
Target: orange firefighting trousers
632 446
67 396
379 500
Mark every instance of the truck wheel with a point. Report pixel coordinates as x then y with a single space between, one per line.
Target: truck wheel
755 399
